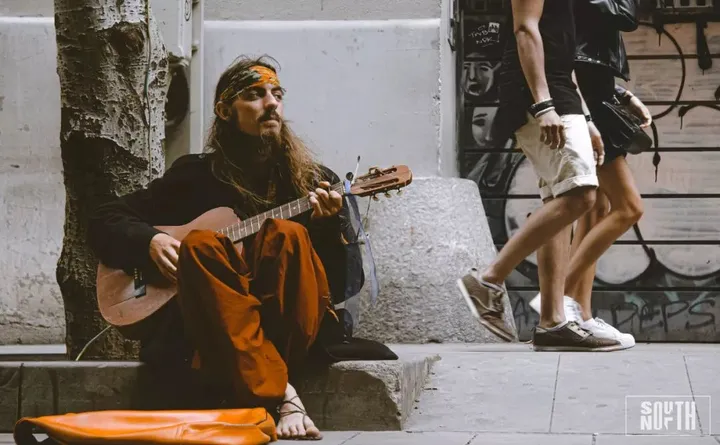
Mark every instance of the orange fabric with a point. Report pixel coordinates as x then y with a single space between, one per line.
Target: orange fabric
254 76
266 76
212 427
252 315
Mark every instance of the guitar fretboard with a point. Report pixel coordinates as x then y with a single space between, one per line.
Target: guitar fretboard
250 226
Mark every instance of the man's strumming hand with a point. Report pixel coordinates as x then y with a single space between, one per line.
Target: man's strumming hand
325 202
164 252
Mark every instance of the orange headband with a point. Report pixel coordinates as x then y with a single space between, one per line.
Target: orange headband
255 76
266 76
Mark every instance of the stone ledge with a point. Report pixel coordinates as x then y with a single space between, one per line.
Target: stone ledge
423 242
45 352
360 396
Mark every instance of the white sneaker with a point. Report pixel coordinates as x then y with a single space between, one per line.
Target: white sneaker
600 329
572 308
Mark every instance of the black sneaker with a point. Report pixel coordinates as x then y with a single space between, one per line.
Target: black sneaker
485 302
571 337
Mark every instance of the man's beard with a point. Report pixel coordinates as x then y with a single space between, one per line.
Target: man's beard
270 138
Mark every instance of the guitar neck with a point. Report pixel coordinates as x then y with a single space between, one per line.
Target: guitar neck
250 226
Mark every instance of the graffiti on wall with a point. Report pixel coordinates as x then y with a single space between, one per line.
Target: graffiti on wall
661 280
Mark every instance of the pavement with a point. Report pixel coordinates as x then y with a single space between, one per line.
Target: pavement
509 394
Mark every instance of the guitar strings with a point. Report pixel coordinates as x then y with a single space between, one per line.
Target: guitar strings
258 219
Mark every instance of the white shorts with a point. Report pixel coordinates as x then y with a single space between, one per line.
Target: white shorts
560 170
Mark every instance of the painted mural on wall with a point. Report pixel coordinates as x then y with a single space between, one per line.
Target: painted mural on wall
661 280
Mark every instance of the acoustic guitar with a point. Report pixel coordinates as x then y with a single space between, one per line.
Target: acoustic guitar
129 301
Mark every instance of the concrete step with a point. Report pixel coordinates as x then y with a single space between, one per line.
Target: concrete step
356 396
12 353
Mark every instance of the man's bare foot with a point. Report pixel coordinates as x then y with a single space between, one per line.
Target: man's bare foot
294 423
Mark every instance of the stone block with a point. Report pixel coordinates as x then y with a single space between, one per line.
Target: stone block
423 241
365 396
64 386
345 396
9 393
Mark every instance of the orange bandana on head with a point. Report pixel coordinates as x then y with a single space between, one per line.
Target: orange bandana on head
255 76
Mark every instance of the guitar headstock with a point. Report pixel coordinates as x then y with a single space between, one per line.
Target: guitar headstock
381 180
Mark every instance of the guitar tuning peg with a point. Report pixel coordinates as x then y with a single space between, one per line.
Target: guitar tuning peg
375 198
388 195
399 192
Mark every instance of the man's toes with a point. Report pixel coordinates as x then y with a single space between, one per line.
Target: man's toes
313 432
310 429
294 431
285 431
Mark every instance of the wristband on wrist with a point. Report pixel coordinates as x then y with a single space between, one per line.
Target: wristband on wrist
545 111
542 107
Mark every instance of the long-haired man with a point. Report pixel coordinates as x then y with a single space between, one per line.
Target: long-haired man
246 318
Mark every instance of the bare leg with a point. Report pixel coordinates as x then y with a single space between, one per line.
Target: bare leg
582 291
543 224
552 260
625 210
555 332
483 292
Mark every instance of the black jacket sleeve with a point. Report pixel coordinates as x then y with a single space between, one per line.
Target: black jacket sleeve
120 229
620 14
333 239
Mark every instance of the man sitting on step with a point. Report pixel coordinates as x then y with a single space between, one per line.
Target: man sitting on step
251 318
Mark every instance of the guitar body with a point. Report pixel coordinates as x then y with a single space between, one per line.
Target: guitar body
128 302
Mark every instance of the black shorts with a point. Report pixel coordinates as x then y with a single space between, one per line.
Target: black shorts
597 84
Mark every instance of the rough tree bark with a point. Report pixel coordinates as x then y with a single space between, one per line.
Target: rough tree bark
113 70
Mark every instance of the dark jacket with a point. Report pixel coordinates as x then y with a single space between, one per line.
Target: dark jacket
120 230
598 27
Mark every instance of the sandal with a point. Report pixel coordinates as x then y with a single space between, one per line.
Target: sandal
299 410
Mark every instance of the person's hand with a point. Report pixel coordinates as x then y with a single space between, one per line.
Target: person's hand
640 110
325 203
164 252
552 130
597 143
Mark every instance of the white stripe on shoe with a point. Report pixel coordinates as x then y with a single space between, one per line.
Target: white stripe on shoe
572 308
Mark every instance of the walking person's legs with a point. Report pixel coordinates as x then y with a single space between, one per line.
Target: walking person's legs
626 209
594 235
582 291
567 187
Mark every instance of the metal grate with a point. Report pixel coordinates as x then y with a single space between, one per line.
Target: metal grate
685 6
487 6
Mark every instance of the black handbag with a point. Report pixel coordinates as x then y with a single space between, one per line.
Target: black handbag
623 129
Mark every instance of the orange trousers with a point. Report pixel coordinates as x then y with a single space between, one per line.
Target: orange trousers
252 315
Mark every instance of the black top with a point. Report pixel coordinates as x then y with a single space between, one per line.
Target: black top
557 29
599 39
120 231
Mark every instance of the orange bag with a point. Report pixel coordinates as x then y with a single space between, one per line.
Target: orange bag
250 426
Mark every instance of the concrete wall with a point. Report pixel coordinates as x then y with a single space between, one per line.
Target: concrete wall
31 188
365 80
365 88
273 9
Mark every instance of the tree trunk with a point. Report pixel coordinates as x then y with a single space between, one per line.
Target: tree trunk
113 70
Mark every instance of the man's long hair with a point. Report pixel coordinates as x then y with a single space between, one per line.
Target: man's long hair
300 164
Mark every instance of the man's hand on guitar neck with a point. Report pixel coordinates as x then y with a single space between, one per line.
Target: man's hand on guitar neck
164 252
325 204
